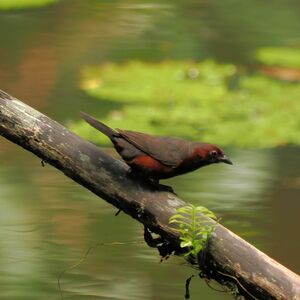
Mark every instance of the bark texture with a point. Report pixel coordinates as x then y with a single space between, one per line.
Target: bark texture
228 259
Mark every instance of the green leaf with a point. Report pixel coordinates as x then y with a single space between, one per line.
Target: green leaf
279 56
194 226
184 244
198 248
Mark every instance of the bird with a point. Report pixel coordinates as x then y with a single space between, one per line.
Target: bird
159 157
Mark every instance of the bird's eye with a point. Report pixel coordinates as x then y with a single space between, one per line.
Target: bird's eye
214 153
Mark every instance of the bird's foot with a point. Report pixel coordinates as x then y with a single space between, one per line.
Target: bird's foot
162 187
166 188
153 182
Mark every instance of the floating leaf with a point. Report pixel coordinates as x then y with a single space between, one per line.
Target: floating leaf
22 4
202 101
279 56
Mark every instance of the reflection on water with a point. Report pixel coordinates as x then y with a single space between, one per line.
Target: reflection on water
232 188
47 223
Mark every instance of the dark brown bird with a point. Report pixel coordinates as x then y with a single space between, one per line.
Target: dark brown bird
158 157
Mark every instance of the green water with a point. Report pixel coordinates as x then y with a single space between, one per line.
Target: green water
48 222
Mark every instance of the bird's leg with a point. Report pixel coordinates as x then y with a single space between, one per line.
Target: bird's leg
131 173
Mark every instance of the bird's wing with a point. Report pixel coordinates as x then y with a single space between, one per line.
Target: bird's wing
169 151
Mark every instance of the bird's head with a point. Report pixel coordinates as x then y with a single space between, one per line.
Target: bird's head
212 154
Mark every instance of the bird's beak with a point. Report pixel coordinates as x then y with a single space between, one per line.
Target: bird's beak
226 160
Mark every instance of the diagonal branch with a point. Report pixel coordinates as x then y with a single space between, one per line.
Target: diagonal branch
229 259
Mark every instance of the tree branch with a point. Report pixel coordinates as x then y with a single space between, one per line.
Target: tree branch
228 259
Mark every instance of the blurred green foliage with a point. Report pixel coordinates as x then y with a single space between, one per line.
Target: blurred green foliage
279 56
20 4
204 101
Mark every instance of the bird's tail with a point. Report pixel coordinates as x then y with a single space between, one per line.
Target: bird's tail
98 125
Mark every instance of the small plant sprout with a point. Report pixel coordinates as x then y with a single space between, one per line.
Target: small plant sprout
195 225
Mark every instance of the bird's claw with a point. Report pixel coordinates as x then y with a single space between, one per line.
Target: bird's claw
166 188
154 183
161 187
